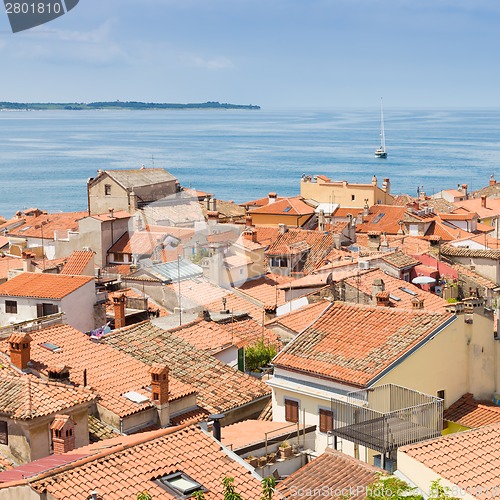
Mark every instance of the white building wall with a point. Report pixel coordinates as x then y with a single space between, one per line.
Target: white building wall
79 307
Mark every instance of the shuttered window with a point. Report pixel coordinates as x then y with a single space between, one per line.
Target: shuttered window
4 435
11 306
291 410
325 420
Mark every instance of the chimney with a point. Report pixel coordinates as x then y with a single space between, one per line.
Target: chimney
213 204
111 213
205 315
28 261
483 201
386 186
282 228
159 392
216 420
63 434
272 197
374 180
464 189
133 203
383 299
58 373
119 310
207 203
378 286
20 350
321 220
248 220
492 180
250 234
366 209
213 217
417 302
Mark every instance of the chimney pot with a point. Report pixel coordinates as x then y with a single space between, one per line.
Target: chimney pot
483 201
272 197
20 350
63 434
119 310
159 384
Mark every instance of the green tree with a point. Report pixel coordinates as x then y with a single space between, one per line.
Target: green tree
439 492
391 488
259 354
199 495
229 489
268 485
144 495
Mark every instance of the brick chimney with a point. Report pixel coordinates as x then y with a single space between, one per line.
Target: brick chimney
159 392
119 310
383 299
248 220
63 434
250 234
20 350
492 181
272 197
483 201
159 384
386 186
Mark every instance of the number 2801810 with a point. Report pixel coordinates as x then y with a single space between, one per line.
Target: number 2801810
33 8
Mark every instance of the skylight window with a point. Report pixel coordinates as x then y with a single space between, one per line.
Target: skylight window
393 297
287 209
135 397
24 229
377 218
178 482
51 347
408 291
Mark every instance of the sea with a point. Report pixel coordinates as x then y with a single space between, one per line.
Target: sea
46 157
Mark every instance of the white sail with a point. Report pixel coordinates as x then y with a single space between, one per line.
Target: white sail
381 152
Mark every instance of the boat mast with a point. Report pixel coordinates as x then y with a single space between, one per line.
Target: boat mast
382 133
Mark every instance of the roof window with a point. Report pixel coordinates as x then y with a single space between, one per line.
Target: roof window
51 347
287 209
178 482
408 291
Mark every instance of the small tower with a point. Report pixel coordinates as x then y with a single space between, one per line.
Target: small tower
63 434
20 350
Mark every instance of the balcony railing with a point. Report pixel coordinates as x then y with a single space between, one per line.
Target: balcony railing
387 417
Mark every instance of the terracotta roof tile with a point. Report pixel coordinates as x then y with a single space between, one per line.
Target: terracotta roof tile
48 224
220 387
197 292
238 303
25 397
332 471
265 290
43 285
77 262
451 457
384 218
128 292
129 465
400 260
301 318
338 346
470 412
398 297
285 206
100 362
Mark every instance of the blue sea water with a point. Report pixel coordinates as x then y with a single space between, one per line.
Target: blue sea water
47 156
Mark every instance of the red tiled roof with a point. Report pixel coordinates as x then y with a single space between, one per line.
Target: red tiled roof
25 397
386 223
220 387
8 263
117 214
139 242
469 460
128 292
353 343
266 290
286 206
47 225
394 286
110 372
470 412
43 285
492 208
333 471
298 320
237 303
122 467
198 292
77 262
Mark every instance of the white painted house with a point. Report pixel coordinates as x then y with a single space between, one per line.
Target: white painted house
32 295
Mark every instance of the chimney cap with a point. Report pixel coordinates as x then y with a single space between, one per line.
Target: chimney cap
157 369
19 338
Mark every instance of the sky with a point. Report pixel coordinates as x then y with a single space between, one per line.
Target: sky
274 53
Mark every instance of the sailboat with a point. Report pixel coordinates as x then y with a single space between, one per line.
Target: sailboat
381 152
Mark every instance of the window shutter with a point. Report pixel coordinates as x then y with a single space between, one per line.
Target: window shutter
39 310
325 420
291 410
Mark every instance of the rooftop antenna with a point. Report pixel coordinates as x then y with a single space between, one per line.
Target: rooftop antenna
153 159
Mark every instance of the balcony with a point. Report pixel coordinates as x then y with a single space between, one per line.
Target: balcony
386 417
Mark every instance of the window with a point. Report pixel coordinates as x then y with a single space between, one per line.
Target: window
118 257
279 262
325 420
11 306
291 410
353 197
440 394
179 483
46 309
4 434
107 189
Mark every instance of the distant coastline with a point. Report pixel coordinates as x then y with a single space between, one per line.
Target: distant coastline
128 105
